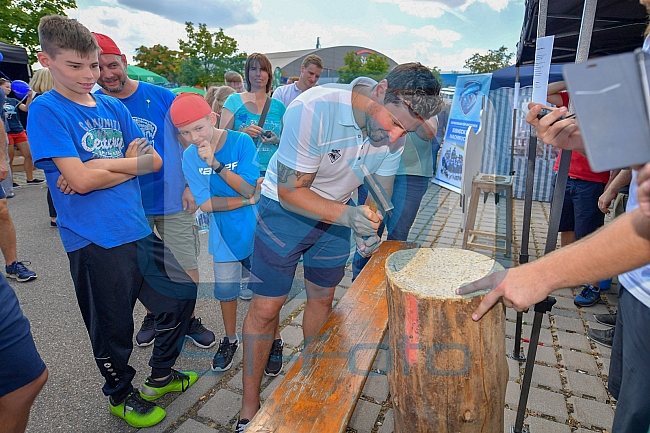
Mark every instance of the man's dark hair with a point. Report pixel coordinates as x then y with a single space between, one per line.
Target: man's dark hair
414 85
57 33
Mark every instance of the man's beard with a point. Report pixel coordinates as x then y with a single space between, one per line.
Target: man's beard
115 90
374 131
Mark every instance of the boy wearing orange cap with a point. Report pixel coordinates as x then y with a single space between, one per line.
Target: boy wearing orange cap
222 171
80 142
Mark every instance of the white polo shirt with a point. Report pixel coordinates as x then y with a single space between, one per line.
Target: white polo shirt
320 135
287 93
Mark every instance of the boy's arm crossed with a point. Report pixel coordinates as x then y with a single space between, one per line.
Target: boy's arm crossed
76 177
140 158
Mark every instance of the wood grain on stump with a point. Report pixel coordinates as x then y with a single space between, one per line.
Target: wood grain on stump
448 372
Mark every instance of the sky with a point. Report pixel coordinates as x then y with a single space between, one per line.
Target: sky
441 33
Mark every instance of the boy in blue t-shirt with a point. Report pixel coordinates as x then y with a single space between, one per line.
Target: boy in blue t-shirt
222 171
79 140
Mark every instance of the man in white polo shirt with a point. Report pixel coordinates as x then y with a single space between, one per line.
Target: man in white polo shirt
310 70
330 133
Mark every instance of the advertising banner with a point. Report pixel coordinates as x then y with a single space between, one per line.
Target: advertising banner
465 112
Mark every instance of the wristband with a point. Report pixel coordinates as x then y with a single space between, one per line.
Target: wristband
221 167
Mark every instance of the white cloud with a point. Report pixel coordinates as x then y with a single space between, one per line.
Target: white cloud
393 29
129 29
436 8
432 33
218 13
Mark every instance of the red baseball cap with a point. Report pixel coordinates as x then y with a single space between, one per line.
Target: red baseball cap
107 45
188 108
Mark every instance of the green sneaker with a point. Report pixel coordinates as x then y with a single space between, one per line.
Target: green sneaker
178 382
137 412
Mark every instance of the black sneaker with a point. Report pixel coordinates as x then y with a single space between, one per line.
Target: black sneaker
15 185
274 364
241 425
146 334
35 182
223 358
603 337
606 319
199 334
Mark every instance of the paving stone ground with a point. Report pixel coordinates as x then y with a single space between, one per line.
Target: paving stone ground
568 391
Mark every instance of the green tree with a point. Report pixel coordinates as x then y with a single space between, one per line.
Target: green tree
159 59
372 66
492 61
19 21
436 73
216 53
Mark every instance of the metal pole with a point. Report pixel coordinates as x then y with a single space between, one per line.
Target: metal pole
584 41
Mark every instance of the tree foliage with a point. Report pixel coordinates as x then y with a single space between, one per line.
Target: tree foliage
215 52
159 59
19 21
436 73
372 66
492 61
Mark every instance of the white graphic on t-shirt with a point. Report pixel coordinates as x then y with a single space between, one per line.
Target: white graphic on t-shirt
104 143
147 127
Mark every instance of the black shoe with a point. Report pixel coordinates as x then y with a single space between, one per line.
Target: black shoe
15 185
200 335
223 358
603 337
241 425
274 364
146 334
606 319
35 182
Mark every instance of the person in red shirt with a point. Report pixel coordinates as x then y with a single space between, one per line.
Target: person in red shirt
580 213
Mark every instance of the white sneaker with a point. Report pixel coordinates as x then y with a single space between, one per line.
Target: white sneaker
246 294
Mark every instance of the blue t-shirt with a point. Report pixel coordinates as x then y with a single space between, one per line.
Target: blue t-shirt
231 232
244 118
60 128
162 191
14 125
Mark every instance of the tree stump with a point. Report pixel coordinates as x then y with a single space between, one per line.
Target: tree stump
448 372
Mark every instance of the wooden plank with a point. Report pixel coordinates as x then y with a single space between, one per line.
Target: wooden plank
320 391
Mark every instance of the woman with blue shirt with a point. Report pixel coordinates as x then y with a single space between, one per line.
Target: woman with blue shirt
221 170
242 111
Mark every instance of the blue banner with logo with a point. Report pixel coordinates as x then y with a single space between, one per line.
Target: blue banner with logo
465 112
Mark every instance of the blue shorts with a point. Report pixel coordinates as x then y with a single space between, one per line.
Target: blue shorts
580 213
229 277
20 363
3 194
282 237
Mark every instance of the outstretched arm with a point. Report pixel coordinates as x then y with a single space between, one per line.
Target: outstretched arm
620 246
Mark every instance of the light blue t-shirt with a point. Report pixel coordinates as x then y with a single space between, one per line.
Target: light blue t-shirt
231 232
60 128
244 118
162 191
637 282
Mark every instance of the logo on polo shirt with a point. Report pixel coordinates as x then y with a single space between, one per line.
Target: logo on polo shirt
334 155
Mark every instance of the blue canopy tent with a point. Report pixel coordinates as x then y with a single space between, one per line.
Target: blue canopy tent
507 77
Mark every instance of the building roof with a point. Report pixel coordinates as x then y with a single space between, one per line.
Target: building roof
290 61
